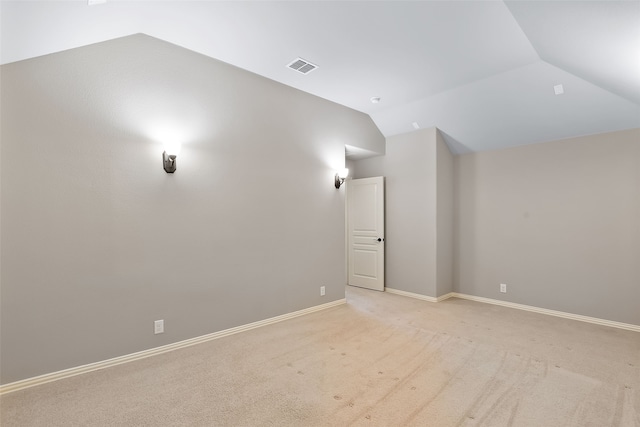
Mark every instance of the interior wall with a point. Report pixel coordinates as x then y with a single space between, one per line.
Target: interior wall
366 168
444 217
351 165
558 222
410 240
411 192
98 241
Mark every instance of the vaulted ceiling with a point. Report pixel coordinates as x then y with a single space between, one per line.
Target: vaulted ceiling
483 72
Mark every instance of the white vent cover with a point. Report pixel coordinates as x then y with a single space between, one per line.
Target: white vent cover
302 66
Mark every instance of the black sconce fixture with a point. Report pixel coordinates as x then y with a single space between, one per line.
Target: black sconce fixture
169 162
341 176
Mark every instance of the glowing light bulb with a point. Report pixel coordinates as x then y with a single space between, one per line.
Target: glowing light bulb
172 148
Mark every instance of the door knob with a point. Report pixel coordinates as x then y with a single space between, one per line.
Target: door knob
379 239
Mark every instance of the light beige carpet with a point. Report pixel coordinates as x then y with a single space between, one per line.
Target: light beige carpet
380 360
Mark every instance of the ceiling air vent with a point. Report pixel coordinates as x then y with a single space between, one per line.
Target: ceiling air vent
302 66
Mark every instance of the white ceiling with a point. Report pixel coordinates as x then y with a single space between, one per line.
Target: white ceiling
483 72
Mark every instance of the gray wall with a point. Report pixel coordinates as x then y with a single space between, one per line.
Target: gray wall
444 217
413 233
558 222
98 241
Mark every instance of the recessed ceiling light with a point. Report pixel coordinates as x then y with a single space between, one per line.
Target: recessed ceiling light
375 99
558 89
415 125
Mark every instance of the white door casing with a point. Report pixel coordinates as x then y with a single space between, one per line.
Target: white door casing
365 232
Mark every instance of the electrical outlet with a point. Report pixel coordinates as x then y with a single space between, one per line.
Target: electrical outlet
158 327
322 291
503 288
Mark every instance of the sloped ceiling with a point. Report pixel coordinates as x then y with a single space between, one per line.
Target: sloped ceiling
482 72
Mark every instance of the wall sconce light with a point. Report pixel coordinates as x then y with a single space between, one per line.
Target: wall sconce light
341 176
169 155
169 162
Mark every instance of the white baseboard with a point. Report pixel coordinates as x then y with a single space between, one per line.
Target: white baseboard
54 376
419 296
546 311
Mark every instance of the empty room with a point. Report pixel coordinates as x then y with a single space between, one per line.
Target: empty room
319 213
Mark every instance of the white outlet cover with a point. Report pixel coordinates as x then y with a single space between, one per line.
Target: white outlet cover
322 291
158 327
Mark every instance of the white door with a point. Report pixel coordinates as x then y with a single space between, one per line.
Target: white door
365 232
